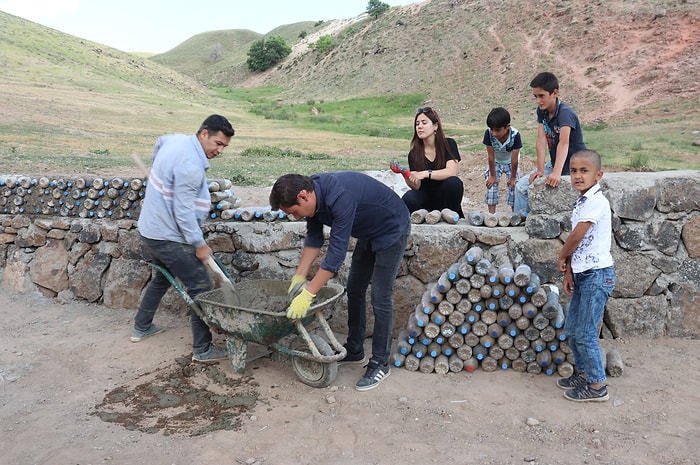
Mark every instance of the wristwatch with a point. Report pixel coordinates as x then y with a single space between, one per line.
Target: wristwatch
430 174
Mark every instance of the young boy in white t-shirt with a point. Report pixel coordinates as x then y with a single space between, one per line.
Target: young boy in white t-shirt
589 278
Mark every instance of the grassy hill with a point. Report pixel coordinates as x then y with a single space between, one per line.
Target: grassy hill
629 68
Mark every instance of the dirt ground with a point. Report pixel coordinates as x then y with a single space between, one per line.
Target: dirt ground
75 390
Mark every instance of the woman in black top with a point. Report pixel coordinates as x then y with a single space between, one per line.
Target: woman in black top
433 164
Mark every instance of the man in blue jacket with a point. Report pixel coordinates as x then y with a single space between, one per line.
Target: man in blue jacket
351 204
176 204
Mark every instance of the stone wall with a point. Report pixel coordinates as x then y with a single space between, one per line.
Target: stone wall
656 226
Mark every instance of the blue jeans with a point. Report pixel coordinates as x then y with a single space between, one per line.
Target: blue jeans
380 269
591 291
520 204
180 260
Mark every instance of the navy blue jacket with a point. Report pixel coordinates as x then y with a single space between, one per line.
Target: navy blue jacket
354 204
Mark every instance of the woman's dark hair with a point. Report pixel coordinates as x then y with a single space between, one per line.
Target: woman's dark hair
417 152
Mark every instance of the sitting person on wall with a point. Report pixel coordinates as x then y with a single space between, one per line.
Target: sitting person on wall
432 162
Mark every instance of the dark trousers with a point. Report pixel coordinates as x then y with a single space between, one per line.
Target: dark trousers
439 195
181 262
380 269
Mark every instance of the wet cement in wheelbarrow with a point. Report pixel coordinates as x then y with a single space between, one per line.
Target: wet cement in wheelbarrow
186 398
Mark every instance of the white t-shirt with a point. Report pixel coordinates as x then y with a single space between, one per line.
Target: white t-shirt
594 250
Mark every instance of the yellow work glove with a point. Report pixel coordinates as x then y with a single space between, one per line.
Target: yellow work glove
297 281
300 305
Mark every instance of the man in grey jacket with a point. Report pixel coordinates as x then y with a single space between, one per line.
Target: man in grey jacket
176 204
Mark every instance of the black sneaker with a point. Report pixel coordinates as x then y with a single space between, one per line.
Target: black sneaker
572 382
587 394
352 359
374 375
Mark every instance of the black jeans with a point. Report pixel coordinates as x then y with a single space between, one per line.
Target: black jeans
181 262
380 269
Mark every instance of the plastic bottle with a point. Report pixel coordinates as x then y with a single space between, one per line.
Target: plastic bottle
480 352
495 330
505 274
427 365
432 330
444 283
540 321
412 326
453 272
464 352
447 329
521 276
402 345
483 267
471 339
489 364
487 341
466 269
419 350
544 358
529 310
533 285
552 307
456 364
471 364
421 318
437 318
503 318
498 291
397 359
538 345
505 341
411 362
442 364
474 254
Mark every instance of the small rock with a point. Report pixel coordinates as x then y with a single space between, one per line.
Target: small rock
529 459
330 399
403 399
618 402
532 422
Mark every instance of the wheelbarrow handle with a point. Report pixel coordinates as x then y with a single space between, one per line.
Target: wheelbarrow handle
171 279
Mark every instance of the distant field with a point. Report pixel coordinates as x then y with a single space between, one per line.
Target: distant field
273 136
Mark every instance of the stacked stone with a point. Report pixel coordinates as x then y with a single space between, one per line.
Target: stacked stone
478 314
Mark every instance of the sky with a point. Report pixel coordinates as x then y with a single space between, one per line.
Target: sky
157 26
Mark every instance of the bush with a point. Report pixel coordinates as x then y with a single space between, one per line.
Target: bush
264 54
324 44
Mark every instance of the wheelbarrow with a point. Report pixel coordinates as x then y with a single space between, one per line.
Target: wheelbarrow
258 314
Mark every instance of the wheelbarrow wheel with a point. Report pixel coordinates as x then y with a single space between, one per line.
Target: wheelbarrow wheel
310 372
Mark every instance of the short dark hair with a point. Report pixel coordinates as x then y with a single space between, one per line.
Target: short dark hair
285 190
590 155
498 118
546 81
217 123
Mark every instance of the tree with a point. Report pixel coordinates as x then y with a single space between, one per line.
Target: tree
264 54
376 8
216 53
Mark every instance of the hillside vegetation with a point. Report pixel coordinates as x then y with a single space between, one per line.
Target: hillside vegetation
628 67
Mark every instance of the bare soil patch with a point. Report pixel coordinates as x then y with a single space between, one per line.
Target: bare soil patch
74 389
